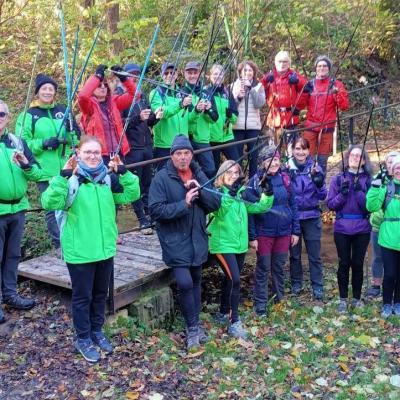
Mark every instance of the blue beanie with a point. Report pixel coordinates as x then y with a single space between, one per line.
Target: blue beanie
181 142
131 67
42 79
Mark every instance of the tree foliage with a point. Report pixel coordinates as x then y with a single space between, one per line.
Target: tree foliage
319 27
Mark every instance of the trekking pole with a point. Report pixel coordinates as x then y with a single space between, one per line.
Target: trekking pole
138 87
376 146
340 138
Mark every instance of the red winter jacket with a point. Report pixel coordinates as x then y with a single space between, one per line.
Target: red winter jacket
281 97
321 106
91 119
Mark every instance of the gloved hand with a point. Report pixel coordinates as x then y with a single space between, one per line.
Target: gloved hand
121 169
269 78
233 191
228 113
383 175
317 178
116 69
308 87
293 79
345 188
100 69
357 186
51 143
266 185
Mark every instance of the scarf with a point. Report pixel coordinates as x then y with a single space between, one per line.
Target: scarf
96 174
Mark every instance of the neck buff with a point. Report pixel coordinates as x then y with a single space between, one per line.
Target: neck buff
96 174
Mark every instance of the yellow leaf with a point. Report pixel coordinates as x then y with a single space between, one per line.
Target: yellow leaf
296 395
248 303
194 355
344 367
297 371
132 395
330 338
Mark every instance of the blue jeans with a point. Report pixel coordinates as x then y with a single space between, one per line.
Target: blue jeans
230 153
205 159
253 155
311 234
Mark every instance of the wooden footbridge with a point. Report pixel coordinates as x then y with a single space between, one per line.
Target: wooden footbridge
137 267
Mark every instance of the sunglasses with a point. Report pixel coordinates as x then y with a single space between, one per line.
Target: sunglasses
3 114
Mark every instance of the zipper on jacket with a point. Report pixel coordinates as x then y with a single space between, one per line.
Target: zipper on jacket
101 221
12 173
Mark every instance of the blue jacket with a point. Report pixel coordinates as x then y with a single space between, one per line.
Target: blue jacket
307 194
282 219
351 210
181 229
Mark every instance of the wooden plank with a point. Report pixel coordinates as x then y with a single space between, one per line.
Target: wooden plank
141 252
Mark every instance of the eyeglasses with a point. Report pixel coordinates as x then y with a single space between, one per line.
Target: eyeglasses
231 173
92 153
3 114
103 85
166 73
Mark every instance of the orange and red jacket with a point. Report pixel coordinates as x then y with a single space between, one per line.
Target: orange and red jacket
321 105
281 97
91 120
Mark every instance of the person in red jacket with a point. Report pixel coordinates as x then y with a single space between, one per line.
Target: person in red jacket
323 95
283 86
101 111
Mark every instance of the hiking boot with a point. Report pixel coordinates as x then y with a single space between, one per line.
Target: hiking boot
192 338
374 291
396 309
220 318
387 310
260 312
2 317
87 349
318 294
203 337
237 331
297 288
357 304
342 307
101 341
20 303
145 227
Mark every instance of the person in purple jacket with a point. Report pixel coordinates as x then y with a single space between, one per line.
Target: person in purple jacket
308 182
272 233
347 197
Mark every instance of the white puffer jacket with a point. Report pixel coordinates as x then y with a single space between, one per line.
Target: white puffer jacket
255 100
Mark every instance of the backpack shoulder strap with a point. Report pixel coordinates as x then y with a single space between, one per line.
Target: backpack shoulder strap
390 191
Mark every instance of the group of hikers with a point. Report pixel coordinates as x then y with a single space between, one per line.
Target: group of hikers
201 202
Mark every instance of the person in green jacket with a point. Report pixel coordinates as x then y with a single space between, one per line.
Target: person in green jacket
385 195
17 166
375 220
89 233
173 103
50 138
203 113
229 239
221 132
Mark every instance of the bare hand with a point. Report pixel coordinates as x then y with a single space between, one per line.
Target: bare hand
191 195
254 245
145 114
159 113
187 101
294 239
201 106
335 89
114 162
208 105
72 164
192 183
19 159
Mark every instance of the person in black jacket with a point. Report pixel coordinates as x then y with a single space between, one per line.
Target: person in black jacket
179 209
138 132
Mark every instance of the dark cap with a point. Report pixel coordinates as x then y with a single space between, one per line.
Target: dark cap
165 66
323 58
192 65
132 67
181 142
42 79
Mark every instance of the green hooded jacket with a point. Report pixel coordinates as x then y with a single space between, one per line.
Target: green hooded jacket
14 180
42 123
90 231
221 131
229 226
389 230
174 120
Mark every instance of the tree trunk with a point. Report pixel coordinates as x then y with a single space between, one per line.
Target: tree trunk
113 19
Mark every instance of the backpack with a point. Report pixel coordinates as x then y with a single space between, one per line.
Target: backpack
73 187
